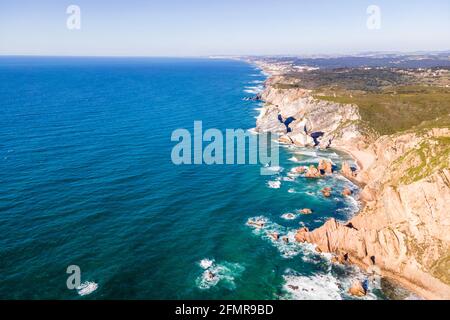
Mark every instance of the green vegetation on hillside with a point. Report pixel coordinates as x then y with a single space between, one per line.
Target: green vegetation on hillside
442 122
354 79
286 86
430 156
394 109
441 268
390 100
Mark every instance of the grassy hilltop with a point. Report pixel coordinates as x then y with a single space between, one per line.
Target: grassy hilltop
389 100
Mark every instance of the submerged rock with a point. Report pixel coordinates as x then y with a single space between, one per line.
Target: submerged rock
288 216
259 223
274 235
326 192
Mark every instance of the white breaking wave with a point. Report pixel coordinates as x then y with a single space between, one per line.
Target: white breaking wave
275 168
307 153
252 131
281 237
293 175
225 272
206 263
316 287
86 288
307 162
332 155
352 202
289 216
328 285
274 184
254 90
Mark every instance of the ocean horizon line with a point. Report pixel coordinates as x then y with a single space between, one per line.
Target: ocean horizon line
209 56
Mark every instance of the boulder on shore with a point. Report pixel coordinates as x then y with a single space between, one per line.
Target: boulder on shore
325 166
312 172
357 289
299 170
300 236
340 258
347 171
346 192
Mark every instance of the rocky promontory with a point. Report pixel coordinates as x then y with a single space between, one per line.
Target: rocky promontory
305 121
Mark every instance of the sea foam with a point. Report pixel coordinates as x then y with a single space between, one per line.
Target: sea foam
86 288
274 184
287 249
215 273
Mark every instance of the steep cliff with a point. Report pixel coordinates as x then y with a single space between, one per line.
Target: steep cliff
403 231
303 120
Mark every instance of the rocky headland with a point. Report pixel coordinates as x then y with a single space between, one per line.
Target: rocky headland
403 229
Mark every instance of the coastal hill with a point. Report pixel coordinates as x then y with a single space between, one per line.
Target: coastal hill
393 117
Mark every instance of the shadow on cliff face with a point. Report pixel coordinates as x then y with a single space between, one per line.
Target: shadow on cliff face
394 292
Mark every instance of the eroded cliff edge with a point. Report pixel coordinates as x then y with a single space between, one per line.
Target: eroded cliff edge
403 230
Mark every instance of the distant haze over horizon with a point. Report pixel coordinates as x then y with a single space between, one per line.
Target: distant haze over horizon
317 55
200 28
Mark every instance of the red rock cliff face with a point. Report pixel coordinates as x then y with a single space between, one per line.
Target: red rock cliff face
403 232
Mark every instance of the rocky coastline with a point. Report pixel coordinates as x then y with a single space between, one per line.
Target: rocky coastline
402 230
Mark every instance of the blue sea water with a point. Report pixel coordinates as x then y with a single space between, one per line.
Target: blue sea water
86 179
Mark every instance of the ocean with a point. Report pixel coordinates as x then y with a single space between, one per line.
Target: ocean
86 179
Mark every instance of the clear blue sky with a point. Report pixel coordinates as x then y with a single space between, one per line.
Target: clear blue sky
208 27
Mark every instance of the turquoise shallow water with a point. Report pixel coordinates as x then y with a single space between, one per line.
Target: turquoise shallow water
86 179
